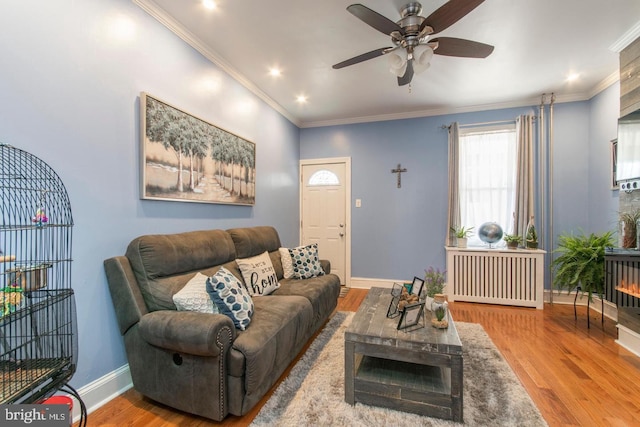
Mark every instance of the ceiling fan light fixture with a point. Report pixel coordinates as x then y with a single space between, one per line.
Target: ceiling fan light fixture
422 55
398 62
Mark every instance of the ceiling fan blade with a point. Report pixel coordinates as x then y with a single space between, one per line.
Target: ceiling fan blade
408 75
450 46
449 13
361 58
374 19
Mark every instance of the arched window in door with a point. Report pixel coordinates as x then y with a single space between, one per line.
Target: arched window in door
323 177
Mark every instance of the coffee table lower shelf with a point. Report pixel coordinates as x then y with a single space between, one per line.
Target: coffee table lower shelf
403 386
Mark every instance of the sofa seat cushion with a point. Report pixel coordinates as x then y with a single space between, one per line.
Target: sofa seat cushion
278 329
322 292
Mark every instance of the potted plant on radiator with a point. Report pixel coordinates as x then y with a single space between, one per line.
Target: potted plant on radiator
580 264
512 240
462 234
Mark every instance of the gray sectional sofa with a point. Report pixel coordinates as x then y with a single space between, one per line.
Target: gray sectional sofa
199 362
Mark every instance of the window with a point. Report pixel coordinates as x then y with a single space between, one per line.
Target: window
487 177
323 177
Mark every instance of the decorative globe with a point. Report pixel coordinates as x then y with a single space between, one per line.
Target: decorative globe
490 232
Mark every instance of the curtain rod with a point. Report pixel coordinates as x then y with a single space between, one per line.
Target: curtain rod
498 122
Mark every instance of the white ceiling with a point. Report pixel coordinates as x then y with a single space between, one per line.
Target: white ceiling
538 43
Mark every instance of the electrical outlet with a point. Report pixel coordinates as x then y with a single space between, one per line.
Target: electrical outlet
358 203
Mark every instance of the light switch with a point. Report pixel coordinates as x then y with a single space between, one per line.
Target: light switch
358 203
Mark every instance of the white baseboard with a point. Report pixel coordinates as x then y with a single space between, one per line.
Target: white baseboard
99 392
610 309
629 340
365 283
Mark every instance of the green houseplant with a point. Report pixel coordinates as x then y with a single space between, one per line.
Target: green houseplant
580 264
512 240
462 234
629 229
434 281
531 237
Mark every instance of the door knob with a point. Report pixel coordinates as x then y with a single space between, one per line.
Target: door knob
341 234
341 225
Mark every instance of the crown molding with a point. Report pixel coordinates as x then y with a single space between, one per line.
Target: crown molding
178 29
626 39
445 110
605 83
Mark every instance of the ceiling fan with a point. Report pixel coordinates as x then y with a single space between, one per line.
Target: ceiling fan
413 47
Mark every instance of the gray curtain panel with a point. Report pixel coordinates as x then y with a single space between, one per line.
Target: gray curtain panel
524 206
453 218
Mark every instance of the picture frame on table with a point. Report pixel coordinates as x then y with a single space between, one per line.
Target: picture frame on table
396 290
418 283
393 311
411 316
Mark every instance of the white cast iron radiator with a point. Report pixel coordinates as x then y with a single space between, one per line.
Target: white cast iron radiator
494 276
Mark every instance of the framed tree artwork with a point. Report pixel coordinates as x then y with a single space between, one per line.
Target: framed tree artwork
185 158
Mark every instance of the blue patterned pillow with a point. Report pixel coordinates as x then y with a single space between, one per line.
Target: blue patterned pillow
230 297
306 263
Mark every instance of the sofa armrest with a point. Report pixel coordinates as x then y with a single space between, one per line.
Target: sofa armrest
326 265
199 334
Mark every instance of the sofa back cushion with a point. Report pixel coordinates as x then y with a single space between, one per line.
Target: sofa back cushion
252 241
161 263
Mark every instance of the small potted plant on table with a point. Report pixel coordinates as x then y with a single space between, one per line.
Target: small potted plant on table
434 281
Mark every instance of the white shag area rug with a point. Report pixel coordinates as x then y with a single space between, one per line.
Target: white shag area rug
313 393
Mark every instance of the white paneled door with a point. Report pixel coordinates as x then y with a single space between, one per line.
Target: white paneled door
324 216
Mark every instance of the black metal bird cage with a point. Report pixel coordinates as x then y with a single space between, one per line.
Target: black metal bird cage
38 332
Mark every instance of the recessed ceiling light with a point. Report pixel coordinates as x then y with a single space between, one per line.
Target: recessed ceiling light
301 99
209 4
572 77
122 28
275 72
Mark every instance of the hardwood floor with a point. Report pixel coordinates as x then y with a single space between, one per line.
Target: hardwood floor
576 376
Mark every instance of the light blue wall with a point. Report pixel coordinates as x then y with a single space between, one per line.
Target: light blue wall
69 94
603 121
397 233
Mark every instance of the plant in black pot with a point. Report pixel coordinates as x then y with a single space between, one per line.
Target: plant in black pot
580 264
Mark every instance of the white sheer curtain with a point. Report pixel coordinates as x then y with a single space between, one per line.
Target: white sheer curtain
524 206
453 217
487 178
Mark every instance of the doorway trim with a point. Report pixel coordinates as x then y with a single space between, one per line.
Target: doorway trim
347 194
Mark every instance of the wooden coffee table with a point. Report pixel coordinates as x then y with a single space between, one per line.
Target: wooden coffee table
419 371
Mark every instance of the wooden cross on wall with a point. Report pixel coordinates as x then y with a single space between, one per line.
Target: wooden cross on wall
399 170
